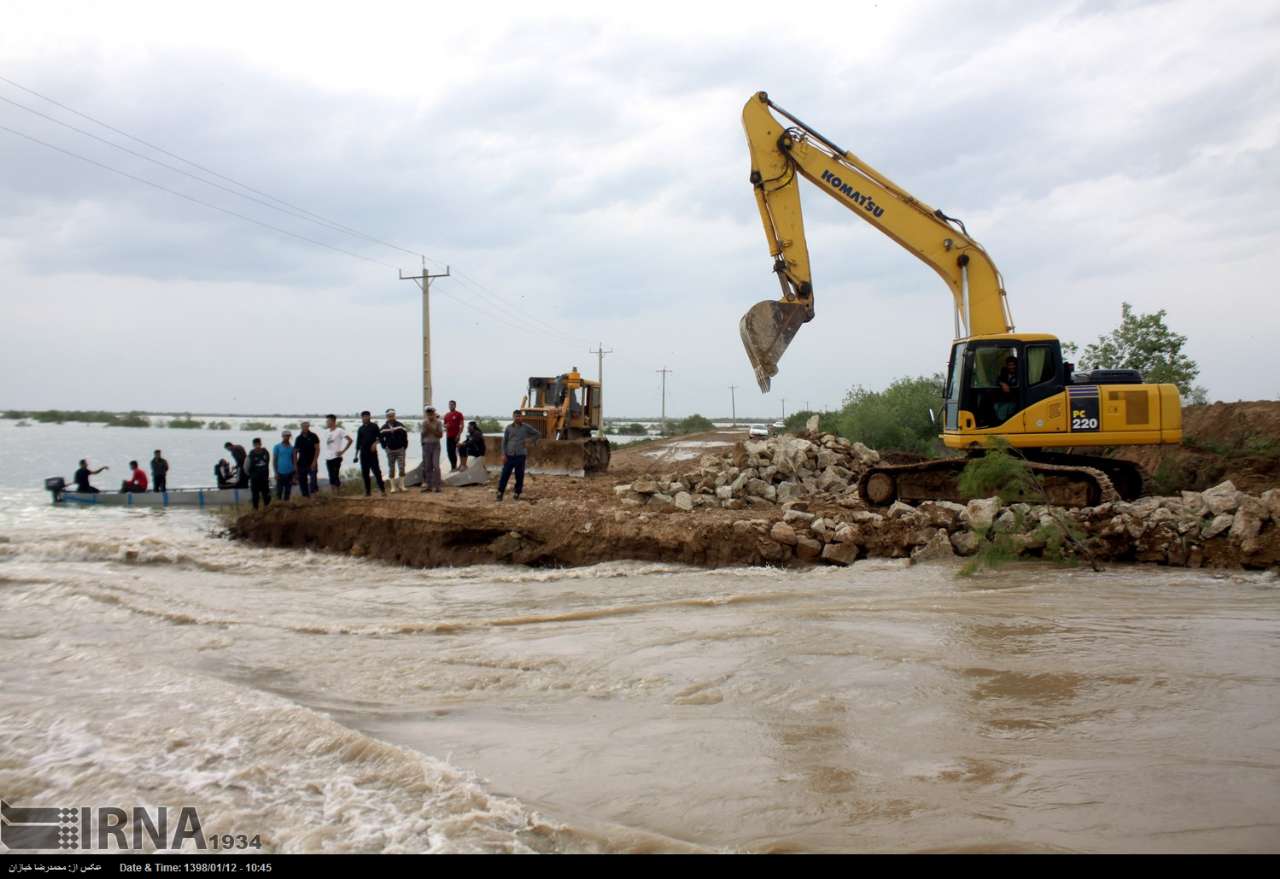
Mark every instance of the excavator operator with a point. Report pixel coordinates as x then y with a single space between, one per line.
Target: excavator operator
1007 399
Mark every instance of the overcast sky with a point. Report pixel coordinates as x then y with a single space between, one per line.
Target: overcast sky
583 171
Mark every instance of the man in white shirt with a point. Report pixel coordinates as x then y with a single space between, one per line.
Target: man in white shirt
335 446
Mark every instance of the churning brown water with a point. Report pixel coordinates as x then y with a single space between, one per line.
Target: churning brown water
333 705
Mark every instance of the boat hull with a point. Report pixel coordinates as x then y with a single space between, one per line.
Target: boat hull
187 498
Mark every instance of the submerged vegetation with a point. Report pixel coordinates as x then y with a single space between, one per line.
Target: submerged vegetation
87 416
695 423
186 422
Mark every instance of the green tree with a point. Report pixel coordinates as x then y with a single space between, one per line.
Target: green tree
1145 343
896 418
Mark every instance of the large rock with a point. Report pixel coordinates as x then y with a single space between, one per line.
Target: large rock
866 456
980 514
847 534
1193 503
840 553
474 474
783 533
899 510
794 515
1222 498
1271 500
811 425
937 549
683 501
1247 522
645 485
966 542
941 514
808 549
1217 525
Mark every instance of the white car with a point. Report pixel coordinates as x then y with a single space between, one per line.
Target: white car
758 430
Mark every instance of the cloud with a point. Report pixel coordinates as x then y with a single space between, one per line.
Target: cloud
587 172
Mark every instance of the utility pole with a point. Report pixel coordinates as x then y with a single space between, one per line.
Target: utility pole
733 404
600 352
784 408
424 283
664 372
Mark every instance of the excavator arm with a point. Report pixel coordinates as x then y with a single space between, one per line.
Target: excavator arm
780 156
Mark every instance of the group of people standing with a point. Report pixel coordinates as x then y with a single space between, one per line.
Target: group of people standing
297 460
393 437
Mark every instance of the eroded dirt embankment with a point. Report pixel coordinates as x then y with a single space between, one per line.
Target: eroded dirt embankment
467 527
727 508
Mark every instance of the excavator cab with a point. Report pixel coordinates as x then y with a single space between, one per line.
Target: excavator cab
992 381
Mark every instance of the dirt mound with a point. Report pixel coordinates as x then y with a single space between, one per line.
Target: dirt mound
1239 442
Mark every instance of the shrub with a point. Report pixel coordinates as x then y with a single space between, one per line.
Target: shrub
489 425
219 425
896 418
257 425
186 422
1000 473
633 429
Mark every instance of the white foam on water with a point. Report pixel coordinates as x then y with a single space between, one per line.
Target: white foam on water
250 762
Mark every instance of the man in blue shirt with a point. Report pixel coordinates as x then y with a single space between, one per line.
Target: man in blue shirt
514 441
282 458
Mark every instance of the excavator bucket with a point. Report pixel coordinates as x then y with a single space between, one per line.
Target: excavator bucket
767 329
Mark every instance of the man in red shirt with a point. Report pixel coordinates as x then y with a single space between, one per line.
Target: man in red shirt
137 480
453 420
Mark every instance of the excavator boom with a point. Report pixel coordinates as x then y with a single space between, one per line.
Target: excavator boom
781 154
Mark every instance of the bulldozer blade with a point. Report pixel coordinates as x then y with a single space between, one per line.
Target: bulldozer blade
558 457
767 329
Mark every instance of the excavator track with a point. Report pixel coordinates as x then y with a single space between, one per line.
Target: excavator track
1066 485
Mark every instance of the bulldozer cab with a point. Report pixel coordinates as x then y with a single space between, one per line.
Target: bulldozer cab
564 407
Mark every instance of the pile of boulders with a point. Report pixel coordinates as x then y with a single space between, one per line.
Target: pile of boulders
761 474
1220 527
812 484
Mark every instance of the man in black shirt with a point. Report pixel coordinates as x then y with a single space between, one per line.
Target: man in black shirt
238 455
159 470
367 441
259 470
82 477
306 459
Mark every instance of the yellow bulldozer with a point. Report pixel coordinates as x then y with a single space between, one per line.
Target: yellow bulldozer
566 410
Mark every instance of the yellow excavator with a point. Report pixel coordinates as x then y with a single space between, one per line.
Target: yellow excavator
1000 384
566 410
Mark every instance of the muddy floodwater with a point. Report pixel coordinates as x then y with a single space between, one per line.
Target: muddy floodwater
333 704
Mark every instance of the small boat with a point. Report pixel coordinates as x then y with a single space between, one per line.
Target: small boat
197 498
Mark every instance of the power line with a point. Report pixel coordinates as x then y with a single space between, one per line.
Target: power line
503 302
289 208
489 313
195 200
296 214
325 220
